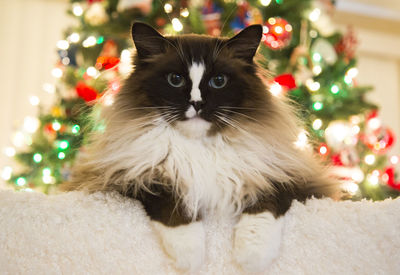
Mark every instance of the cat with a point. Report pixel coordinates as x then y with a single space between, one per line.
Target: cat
195 131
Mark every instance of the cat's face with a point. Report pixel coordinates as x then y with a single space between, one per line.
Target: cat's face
196 82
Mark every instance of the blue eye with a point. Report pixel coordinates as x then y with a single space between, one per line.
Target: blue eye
218 81
175 80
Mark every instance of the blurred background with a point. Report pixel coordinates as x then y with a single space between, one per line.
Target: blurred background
31 31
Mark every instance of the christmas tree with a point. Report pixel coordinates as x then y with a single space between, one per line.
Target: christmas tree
308 61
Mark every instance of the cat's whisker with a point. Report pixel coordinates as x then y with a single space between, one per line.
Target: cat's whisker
243 115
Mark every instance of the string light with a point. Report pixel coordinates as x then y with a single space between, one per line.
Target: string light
315 14
369 159
313 33
100 40
313 85
357 175
34 100
317 70
91 71
63 44
323 149
75 129
31 124
335 89
9 151
168 8
46 171
6 174
77 9
265 3
21 181
177 25
317 124
74 37
49 88
56 125
89 42
374 123
37 158
185 12
275 89
353 72
18 139
394 159
318 106
63 145
57 72
373 179
350 187
302 140
317 57
272 21
61 155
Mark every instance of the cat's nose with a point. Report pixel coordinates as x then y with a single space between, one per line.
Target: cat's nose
197 105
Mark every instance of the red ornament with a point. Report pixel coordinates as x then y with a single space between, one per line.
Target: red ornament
211 15
286 80
85 91
388 176
277 33
379 140
106 62
347 45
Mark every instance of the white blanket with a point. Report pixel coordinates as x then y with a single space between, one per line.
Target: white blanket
75 233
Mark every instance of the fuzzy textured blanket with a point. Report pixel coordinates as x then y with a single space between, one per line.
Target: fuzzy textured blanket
74 233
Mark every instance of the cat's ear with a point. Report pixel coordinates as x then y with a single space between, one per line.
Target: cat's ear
147 40
245 43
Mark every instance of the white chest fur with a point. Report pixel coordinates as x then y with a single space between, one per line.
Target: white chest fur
210 173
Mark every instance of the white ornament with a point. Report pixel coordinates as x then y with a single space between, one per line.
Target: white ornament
339 135
325 49
96 14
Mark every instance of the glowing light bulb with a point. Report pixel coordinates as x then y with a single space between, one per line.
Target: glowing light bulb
91 71
57 72
18 139
21 181
317 57
63 44
317 124
352 73
31 124
77 9
6 174
350 187
75 129
373 179
74 37
185 12
272 21
317 70
323 150
318 106
56 125
34 100
89 42
61 155
275 89
278 29
394 159
9 151
374 123
302 140
315 14
369 159
49 88
37 157
335 89
265 3
357 175
177 25
63 145
46 171
168 8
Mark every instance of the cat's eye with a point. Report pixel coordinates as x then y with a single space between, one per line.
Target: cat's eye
218 81
175 80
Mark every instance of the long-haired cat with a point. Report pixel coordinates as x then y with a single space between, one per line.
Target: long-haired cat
194 131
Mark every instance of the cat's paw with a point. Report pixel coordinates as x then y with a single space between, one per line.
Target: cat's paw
257 241
185 244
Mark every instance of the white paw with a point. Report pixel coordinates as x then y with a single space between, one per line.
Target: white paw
185 244
257 241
